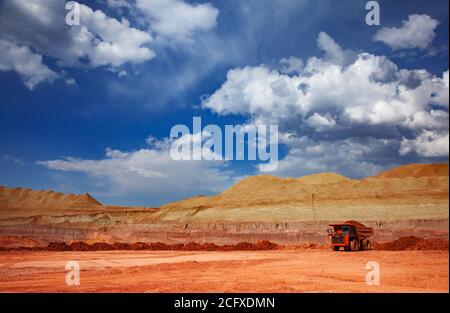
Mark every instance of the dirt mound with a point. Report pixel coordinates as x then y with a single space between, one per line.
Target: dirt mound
99 246
245 246
401 244
265 187
265 245
190 246
411 191
58 246
80 246
413 243
24 197
416 170
18 202
23 203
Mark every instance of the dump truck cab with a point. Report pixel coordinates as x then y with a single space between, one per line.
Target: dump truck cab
350 235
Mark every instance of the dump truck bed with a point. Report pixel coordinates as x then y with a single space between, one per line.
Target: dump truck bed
361 229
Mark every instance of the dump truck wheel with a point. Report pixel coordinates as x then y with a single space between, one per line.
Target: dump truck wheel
354 245
335 248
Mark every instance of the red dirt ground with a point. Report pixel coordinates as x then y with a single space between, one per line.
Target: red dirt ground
308 270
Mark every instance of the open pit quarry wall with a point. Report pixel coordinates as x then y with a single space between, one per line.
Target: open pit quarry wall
15 235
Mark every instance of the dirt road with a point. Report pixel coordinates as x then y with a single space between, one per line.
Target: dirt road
233 271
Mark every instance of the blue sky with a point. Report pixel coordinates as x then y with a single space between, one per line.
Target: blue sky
134 69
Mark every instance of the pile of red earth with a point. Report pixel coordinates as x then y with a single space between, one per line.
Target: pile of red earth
191 246
413 243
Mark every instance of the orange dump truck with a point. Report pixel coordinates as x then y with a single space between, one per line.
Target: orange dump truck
350 235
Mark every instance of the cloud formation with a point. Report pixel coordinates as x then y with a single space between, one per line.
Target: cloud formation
340 101
151 171
427 144
416 32
26 63
356 157
176 19
99 40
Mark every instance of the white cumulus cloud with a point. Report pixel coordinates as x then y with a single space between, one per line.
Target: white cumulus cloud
427 144
119 43
371 90
99 40
25 62
176 19
291 65
321 122
416 32
342 101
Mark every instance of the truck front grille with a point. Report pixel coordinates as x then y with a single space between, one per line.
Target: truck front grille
337 239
